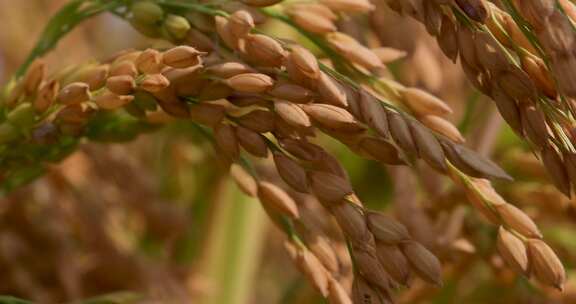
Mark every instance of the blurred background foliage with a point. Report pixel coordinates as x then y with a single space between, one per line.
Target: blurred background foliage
158 220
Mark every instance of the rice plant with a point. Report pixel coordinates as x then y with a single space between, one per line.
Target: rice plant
401 151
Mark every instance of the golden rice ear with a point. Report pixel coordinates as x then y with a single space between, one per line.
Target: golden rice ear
256 95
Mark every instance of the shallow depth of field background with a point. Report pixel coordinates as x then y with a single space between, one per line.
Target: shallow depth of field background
158 218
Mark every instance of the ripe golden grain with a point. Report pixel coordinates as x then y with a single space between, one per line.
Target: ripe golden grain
512 250
305 62
225 138
328 187
112 101
250 82
121 85
276 198
424 103
252 142
149 62
292 92
385 229
292 114
74 93
331 92
545 265
423 262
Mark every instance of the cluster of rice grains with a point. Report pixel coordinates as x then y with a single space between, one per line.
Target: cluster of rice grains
521 54
266 97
